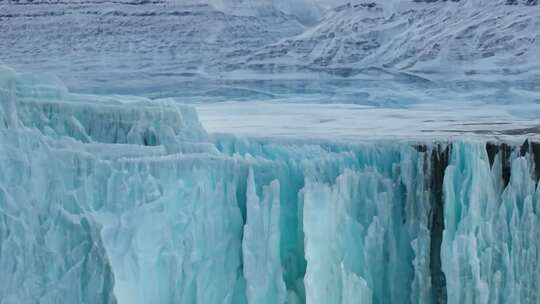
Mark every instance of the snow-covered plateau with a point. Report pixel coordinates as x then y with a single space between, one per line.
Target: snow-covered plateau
267 152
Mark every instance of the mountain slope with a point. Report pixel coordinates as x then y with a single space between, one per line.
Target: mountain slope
432 39
247 50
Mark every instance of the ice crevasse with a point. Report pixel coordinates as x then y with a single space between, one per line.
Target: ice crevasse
126 200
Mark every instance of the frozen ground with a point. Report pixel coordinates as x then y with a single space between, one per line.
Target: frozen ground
350 122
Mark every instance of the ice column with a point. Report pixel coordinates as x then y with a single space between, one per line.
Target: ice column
357 243
8 115
490 248
261 244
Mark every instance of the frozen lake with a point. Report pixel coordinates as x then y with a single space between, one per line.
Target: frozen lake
350 122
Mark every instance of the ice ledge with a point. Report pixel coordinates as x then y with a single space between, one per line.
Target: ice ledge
46 105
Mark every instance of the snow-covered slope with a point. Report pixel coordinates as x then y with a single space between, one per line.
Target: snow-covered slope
436 40
267 49
103 46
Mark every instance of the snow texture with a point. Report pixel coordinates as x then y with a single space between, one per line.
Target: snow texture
356 51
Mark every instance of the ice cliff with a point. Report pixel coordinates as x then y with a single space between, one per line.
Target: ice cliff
118 199
124 199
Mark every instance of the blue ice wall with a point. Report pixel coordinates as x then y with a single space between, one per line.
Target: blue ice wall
490 250
126 200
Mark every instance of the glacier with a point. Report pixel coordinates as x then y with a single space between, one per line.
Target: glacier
120 199
269 151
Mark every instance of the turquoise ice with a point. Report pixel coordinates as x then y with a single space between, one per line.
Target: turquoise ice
117 199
